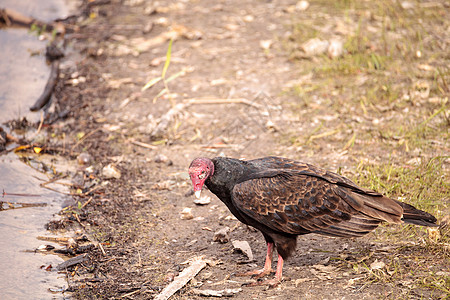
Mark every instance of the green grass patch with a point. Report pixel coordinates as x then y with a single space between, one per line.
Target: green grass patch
426 186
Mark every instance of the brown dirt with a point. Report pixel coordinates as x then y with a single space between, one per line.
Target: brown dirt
137 218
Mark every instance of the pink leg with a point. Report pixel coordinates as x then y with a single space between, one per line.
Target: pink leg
274 281
267 265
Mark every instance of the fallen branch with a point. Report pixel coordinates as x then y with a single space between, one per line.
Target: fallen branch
182 279
86 203
223 101
18 205
49 87
215 293
145 145
39 127
10 18
83 138
60 240
19 195
101 248
221 146
72 261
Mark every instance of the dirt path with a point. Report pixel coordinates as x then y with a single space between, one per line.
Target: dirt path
265 98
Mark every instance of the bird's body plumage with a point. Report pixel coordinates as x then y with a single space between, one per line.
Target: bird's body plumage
284 198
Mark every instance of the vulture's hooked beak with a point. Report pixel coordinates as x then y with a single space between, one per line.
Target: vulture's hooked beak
198 193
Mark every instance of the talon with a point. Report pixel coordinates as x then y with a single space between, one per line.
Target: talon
270 283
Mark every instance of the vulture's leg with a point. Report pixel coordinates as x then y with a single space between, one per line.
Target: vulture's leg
267 265
271 282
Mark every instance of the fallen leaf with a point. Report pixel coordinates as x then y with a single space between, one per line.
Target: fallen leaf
221 235
186 213
244 247
377 265
37 150
217 293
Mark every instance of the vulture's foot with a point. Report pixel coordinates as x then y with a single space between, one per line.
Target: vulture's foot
256 273
271 283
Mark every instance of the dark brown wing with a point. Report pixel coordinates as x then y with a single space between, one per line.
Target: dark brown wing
296 203
281 163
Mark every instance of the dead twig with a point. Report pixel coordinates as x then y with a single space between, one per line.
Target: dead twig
10 17
19 195
131 293
101 248
82 139
221 146
79 221
72 261
182 279
144 145
18 205
86 203
49 87
61 240
53 181
55 190
39 127
223 101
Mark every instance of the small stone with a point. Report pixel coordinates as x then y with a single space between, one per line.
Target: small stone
84 158
244 247
315 46
407 5
265 44
169 277
204 200
186 214
111 171
249 18
161 158
222 235
336 48
434 234
301 5
377 265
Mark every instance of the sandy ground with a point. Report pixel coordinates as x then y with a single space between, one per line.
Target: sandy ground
243 87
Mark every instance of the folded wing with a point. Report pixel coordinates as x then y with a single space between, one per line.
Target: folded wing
299 200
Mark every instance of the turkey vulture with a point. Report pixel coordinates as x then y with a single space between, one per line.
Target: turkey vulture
284 198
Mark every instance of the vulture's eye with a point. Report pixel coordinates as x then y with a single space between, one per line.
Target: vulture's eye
202 175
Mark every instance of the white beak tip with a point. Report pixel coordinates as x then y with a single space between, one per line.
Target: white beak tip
197 194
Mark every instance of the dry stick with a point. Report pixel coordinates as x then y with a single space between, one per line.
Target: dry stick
86 203
131 293
220 146
39 127
19 195
56 178
78 219
223 101
11 17
64 240
49 87
182 279
145 145
83 138
55 190
90 191
22 205
101 248
72 261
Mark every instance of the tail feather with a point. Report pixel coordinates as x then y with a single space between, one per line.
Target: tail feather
412 215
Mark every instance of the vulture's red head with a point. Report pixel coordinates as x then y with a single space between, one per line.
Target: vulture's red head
200 169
